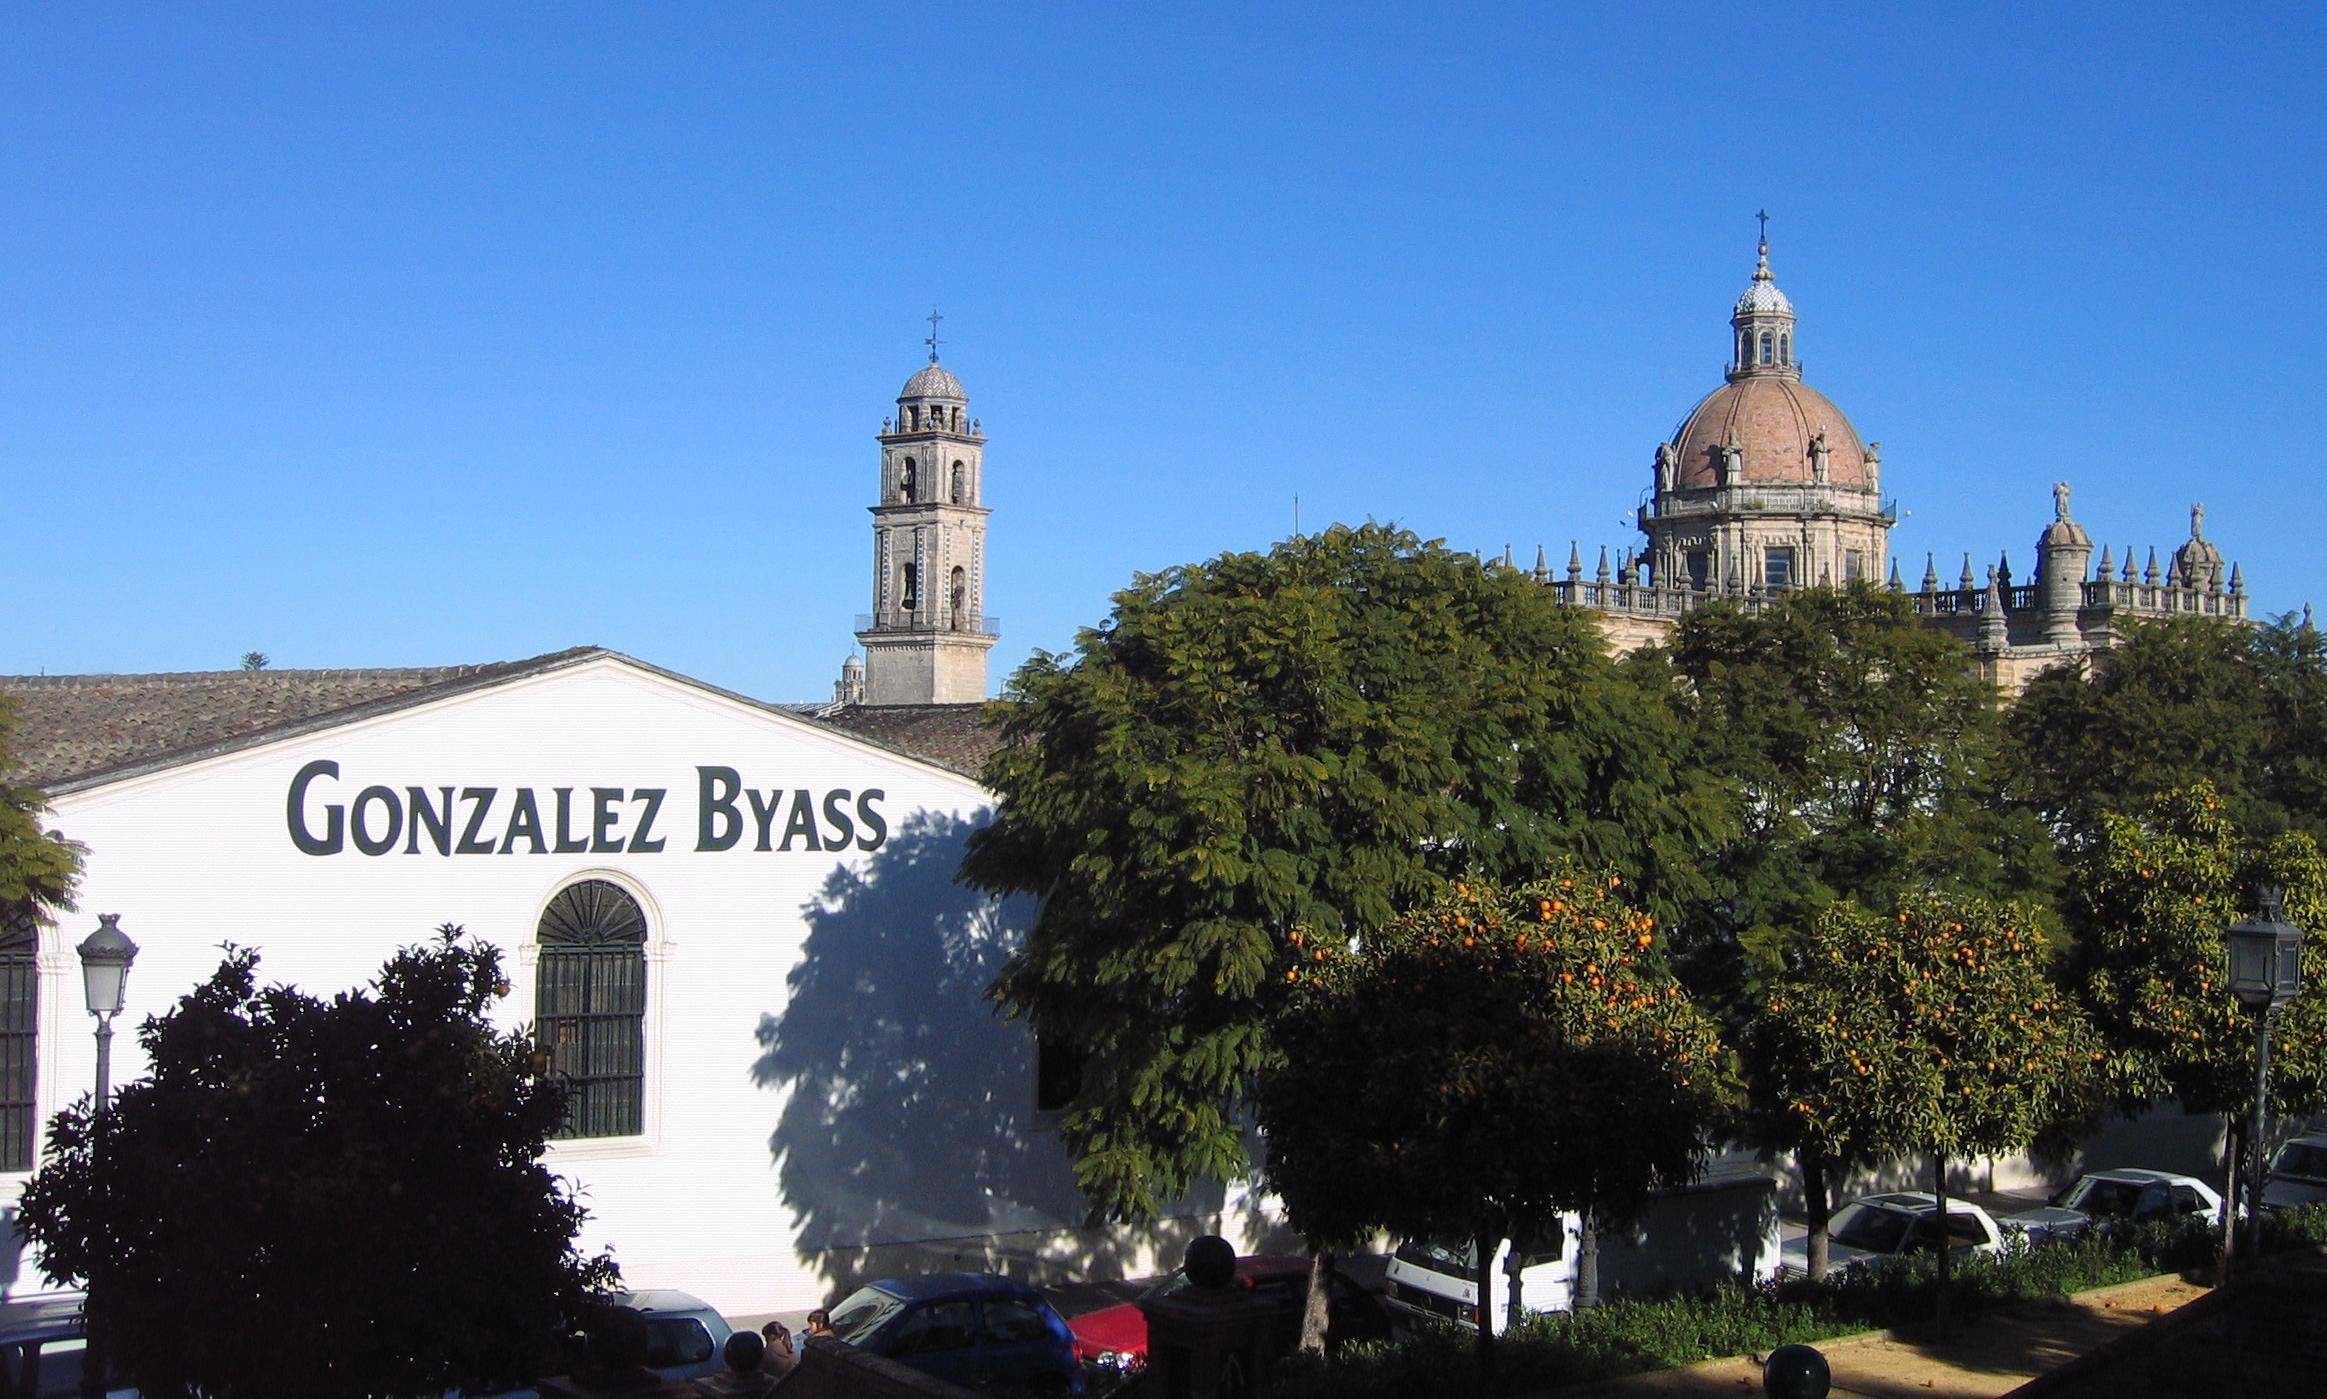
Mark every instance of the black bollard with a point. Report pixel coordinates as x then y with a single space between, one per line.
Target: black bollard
1796 1372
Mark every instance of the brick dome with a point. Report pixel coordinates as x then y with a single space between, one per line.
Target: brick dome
1775 419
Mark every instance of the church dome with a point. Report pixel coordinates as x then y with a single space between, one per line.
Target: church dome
934 381
1775 423
1762 296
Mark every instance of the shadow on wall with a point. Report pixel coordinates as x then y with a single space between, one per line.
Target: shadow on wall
12 1256
910 1140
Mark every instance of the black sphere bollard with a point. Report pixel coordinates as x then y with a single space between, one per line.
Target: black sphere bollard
1210 1261
1796 1372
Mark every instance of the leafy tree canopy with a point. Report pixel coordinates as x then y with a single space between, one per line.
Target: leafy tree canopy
38 868
2154 905
2179 701
1861 749
323 1198
1937 1028
1311 737
1543 1059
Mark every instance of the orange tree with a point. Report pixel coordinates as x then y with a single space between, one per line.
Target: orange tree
1542 1059
1937 1029
2152 907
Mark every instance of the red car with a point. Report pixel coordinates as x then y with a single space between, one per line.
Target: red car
1116 1337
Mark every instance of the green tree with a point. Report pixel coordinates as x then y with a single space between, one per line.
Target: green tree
2179 701
1313 738
1936 1029
2153 905
1861 750
323 1198
38 869
1484 1063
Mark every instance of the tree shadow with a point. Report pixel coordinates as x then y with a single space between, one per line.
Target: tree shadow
909 1139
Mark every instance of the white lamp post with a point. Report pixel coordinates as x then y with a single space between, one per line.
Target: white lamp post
105 958
2266 970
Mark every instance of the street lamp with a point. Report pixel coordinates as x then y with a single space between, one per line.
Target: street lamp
2266 970
105 958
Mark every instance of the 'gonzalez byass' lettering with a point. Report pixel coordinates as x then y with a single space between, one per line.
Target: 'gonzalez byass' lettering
459 820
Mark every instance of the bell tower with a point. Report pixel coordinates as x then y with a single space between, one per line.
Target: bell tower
927 637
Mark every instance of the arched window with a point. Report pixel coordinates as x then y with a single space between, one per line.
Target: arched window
1785 348
1744 348
912 588
905 480
589 1010
19 1015
1765 347
961 483
961 597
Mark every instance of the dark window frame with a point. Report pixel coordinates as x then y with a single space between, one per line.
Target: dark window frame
19 1042
590 1006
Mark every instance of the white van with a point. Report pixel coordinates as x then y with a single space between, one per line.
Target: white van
1723 1228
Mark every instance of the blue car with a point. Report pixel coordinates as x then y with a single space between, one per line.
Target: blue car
971 1329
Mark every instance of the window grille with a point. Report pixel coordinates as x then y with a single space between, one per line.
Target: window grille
19 1014
590 1007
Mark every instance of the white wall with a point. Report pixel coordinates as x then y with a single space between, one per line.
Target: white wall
827 1090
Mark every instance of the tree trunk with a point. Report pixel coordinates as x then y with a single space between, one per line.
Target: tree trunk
1939 1190
1483 1267
1587 1295
1820 1207
1313 1308
1514 1263
2232 1140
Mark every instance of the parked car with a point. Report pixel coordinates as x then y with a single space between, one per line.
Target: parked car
1872 1232
1721 1228
684 1338
42 1342
968 1328
2298 1174
1115 1338
2100 1198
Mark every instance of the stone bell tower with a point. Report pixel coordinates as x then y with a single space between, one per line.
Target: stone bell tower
927 637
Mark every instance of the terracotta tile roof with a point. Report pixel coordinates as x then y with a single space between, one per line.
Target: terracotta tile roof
71 728
950 735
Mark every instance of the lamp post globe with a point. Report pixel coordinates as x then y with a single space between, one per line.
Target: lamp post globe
106 956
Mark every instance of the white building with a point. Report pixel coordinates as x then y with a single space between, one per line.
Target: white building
734 925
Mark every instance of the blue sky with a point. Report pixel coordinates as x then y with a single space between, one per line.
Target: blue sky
418 334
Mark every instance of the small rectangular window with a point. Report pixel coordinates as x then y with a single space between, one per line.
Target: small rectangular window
1777 572
1058 1075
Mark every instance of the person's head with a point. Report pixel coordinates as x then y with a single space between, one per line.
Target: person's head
819 1322
778 1337
743 1352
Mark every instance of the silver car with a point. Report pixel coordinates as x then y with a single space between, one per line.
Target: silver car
2103 1197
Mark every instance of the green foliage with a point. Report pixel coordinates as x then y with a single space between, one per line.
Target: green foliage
1936 1029
1541 1059
323 1198
2179 701
38 868
1312 737
2154 903
1861 748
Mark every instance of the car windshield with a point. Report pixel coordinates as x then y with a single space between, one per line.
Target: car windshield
863 1312
2102 1199
1871 1229
2301 1159
1441 1256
